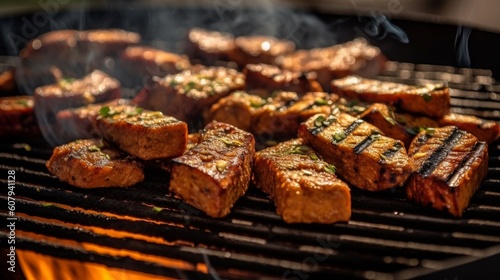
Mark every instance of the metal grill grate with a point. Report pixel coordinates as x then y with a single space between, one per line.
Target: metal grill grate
387 237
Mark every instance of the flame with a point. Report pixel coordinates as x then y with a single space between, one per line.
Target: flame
40 266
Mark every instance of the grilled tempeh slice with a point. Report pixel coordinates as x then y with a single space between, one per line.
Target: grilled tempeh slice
449 166
269 78
381 116
363 156
17 117
484 130
80 123
212 175
259 49
304 187
431 100
91 163
209 46
144 134
356 57
140 64
278 116
185 94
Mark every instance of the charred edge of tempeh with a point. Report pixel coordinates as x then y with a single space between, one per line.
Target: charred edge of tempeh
215 173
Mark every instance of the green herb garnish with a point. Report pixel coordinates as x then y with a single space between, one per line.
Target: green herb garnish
430 131
189 86
339 136
320 102
390 120
330 168
299 150
231 142
412 130
94 149
157 209
319 121
47 204
427 97
23 102
313 157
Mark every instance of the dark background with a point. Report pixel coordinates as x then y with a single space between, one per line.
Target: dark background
165 27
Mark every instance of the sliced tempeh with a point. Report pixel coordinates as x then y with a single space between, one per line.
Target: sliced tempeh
304 187
431 100
449 167
363 156
484 130
212 175
91 163
144 134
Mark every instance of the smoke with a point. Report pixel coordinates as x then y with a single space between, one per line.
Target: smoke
462 46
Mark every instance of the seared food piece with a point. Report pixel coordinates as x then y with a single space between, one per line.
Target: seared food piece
8 83
70 50
212 175
363 156
17 117
166 164
95 87
304 187
80 123
271 78
91 163
259 49
144 134
484 130
354 57
209 46
449 166
381 116
184 95
431 100
141 64
278 116
282 115
236 109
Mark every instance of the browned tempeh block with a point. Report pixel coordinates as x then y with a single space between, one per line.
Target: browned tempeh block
144 134
212 175
338 61
449 165
431 100
304 187
80 123
140 64
17 117
381 116
484 130
278 116
91 163
259 49
184 95
363 156
209 46
270 78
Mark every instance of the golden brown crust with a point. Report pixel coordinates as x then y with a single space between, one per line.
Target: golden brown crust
484 130
431 100
17 117
212 175
449 165
363 156
144 134
259 49
93 164
209 46
303 187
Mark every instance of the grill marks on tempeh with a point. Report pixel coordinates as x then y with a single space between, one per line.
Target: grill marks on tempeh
304 187
449 167
212 175
358 148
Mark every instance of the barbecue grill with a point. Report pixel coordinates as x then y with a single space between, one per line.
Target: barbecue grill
146 231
